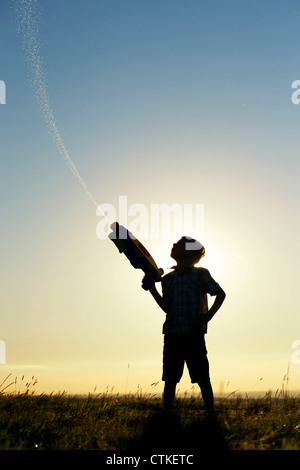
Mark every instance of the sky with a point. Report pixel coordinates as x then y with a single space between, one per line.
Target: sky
156 102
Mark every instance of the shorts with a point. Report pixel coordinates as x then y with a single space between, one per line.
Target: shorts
189 348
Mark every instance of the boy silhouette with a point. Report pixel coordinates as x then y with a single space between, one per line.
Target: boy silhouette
184 300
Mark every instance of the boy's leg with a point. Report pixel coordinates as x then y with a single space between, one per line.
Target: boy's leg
198 365
173 364
169 396
208 396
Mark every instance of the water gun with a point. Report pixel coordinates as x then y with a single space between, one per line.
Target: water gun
136 253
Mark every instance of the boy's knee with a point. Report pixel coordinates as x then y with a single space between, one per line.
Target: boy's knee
204 383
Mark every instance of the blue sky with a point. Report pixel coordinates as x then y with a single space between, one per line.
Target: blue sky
165 102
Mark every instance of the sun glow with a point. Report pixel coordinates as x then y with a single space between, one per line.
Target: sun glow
214 259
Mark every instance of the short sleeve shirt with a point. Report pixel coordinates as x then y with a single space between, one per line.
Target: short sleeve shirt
186 294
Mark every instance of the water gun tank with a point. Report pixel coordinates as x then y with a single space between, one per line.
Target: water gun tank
136 253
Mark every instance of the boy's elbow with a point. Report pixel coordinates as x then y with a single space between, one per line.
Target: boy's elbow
222 294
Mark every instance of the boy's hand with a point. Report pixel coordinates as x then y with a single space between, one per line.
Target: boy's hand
201 319
147 283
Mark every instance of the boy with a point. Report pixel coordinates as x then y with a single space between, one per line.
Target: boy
184 300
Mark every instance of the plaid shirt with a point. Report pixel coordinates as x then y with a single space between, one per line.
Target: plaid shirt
186 293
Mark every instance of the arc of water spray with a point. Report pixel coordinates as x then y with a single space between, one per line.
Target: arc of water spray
27 21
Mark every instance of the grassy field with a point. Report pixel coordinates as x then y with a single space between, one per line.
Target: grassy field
107 422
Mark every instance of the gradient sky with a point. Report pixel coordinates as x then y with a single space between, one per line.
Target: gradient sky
165 101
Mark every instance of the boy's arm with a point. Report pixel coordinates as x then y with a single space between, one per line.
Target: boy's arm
220 297
158 298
